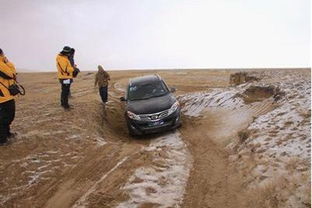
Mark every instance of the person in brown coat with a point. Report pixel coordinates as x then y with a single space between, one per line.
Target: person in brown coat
101 80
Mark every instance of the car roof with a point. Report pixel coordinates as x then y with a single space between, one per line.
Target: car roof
145 79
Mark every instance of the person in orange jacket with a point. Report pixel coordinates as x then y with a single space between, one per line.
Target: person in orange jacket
65 74
7 102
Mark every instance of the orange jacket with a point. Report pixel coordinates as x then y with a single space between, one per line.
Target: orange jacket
7 78
64 68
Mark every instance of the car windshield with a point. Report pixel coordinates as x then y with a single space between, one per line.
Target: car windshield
146 90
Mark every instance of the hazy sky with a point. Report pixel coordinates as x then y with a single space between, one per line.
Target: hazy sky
122 34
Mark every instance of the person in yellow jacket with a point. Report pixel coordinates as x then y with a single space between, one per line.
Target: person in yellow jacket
65 74
7 102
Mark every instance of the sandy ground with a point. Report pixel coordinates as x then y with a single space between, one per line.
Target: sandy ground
238 146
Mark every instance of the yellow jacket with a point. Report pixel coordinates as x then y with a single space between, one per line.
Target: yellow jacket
64 68
7 76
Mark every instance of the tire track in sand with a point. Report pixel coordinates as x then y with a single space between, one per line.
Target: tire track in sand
81 203
213 182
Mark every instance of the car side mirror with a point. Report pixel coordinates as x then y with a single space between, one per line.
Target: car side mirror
172 89
122 99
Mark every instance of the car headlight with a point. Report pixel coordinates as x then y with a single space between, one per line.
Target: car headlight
133 115
174 107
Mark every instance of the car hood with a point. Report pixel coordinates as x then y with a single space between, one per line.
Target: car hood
151 105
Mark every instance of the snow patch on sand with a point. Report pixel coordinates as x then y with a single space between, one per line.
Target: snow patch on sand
99 141
279 144
119 87
34 169
195 103
284 133
163 183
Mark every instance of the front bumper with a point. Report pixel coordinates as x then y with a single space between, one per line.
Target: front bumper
148 127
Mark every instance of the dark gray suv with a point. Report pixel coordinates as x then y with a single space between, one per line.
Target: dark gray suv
150 106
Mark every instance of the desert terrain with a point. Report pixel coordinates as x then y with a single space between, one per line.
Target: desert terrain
245 141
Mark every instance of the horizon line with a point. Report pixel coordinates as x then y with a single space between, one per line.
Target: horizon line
165 69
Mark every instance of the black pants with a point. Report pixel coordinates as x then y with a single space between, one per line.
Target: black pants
7 114
103 93
65 94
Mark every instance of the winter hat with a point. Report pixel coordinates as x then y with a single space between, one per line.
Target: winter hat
100 68
66 49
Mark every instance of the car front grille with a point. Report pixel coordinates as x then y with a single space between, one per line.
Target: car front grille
154 116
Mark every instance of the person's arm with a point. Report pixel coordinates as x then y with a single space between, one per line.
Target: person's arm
11 66
6 72
64 65
5 75
70 68
107 77
13 69
96 80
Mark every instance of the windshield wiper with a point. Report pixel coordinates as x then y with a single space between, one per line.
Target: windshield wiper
139 99
148 97
159 95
